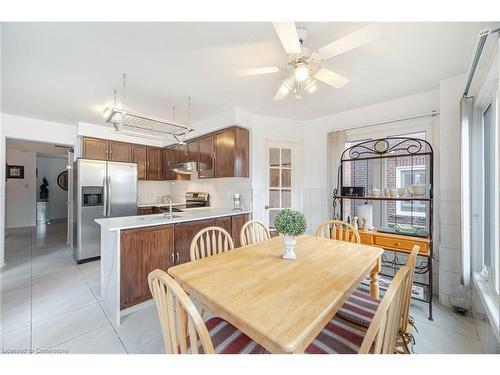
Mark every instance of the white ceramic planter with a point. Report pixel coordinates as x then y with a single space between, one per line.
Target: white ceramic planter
290 243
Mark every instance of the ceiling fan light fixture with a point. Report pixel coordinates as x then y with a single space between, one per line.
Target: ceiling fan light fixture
301 72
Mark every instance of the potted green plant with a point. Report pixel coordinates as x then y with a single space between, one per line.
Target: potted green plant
290 224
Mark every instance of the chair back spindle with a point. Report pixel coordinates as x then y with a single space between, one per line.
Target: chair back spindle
383 331
181 323
338 230
254 231
210 241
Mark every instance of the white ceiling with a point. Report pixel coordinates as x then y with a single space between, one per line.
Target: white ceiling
41 148
67 71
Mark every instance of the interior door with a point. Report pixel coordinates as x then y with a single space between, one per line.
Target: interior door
281 187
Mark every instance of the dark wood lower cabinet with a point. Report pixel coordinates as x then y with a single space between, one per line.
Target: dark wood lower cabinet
164 246
145 211
143 250
224 223
184 233
237 222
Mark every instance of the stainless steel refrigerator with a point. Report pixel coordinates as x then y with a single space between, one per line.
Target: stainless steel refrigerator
101 189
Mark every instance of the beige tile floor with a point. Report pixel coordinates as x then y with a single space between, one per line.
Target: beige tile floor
51 304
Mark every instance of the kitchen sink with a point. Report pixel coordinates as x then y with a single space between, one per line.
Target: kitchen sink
158 217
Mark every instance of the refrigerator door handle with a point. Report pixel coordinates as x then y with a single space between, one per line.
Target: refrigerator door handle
105 197
109 197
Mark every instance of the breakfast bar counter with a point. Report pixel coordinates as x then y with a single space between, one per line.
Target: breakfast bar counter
133 246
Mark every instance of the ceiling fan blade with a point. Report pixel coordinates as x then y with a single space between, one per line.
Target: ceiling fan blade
257 71
331 78
287 32
284 90
353 40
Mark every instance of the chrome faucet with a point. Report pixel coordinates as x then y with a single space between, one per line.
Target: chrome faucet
168 198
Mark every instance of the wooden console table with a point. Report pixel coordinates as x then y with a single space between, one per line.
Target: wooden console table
396 242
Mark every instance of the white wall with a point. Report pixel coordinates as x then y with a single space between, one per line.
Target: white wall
50 168
316 192
263 129
448 183
20 193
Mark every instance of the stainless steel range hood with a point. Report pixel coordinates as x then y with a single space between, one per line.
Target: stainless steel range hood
190 167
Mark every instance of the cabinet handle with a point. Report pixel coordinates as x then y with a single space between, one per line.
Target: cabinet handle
177 256
172 256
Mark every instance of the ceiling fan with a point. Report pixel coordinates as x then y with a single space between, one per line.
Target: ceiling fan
306 67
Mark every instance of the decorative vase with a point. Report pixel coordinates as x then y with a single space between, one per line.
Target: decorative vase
290 243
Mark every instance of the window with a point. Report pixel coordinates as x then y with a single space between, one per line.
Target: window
490 248
406 176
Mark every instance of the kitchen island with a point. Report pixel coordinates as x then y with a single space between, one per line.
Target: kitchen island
133 246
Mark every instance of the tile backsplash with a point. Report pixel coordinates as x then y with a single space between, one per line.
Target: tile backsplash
221 190
152 191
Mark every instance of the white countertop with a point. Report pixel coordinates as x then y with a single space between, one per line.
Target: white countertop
129 222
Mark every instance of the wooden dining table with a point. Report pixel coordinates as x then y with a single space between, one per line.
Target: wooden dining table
281 304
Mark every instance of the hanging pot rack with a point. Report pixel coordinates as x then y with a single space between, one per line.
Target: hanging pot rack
143 126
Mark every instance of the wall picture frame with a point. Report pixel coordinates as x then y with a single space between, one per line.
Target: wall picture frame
15 171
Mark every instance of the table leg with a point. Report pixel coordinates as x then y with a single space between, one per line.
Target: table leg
374 287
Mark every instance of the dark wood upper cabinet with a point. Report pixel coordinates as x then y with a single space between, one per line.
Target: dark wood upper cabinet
139 156
237 222
192 150
184 233
206 156
224 153
231 152
119 151
154 163
174 155
169 162
95 149
142 251
182 153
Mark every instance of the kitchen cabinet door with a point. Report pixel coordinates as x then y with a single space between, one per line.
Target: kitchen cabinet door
154 163
224 223
142 251
139 156
206 156
182 153
169 162
192 150
95 149
119 151
145 211
174 156
184 233
231 152
224 143
237 222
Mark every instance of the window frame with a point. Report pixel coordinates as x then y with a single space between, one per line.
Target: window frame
399 210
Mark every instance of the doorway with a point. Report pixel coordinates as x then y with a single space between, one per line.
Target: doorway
281 189
37 185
